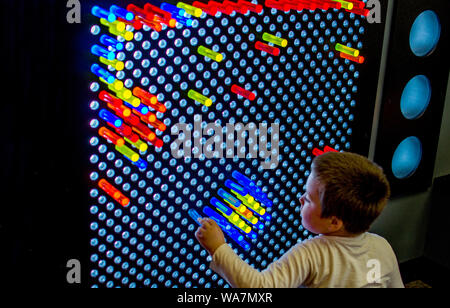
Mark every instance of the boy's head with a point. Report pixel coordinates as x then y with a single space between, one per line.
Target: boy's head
345 192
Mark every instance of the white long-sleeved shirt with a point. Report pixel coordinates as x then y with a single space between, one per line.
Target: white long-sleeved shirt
366 260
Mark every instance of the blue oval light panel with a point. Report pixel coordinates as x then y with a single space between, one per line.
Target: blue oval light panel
425 33
407 158
415 97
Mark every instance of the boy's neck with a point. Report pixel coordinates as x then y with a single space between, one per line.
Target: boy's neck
342 233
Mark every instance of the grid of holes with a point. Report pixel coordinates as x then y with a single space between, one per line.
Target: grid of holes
307 90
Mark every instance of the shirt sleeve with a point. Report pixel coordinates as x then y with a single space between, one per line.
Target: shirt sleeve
395 279
290 271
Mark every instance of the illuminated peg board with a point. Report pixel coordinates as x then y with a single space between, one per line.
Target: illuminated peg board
141 232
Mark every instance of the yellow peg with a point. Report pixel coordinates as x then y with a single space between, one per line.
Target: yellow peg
191 10
141 146
274 39
209 53
116 64
199 98
345 4
348 50
129 153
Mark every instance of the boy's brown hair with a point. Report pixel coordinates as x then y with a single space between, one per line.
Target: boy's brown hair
353 189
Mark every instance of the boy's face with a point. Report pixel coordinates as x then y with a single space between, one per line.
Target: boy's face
311 208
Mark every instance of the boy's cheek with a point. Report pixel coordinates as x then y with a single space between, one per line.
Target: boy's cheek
303 211
306 218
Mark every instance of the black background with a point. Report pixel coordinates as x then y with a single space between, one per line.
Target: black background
42 172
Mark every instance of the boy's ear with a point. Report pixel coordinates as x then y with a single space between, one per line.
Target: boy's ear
335 224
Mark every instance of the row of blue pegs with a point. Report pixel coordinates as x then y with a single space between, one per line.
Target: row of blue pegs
254 190
108 41
112 14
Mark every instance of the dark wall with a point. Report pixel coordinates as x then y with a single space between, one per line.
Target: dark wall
42 148
437 246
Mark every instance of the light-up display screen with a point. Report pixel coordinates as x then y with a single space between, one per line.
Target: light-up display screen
214 109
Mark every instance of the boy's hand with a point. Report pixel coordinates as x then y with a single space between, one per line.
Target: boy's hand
209 235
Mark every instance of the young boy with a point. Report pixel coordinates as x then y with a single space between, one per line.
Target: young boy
345 193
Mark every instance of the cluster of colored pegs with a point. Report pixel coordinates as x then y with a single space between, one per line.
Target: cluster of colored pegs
177 13
111 137
349 53
238 209
358 7
152 16
252 188
353 6
149 99
299 5
130 123
118 27
232 232
271 39
108 46
228 7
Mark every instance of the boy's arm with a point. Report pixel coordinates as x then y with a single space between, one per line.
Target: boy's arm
396 279
385 249
395 276
291 270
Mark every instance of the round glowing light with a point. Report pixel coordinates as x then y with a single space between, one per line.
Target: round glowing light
415 97
406 158
425 33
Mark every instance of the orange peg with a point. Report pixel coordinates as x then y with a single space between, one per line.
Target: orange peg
113 192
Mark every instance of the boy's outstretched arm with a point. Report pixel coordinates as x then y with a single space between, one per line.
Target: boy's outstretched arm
290 271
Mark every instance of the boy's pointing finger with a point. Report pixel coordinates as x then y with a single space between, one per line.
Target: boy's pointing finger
205 222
